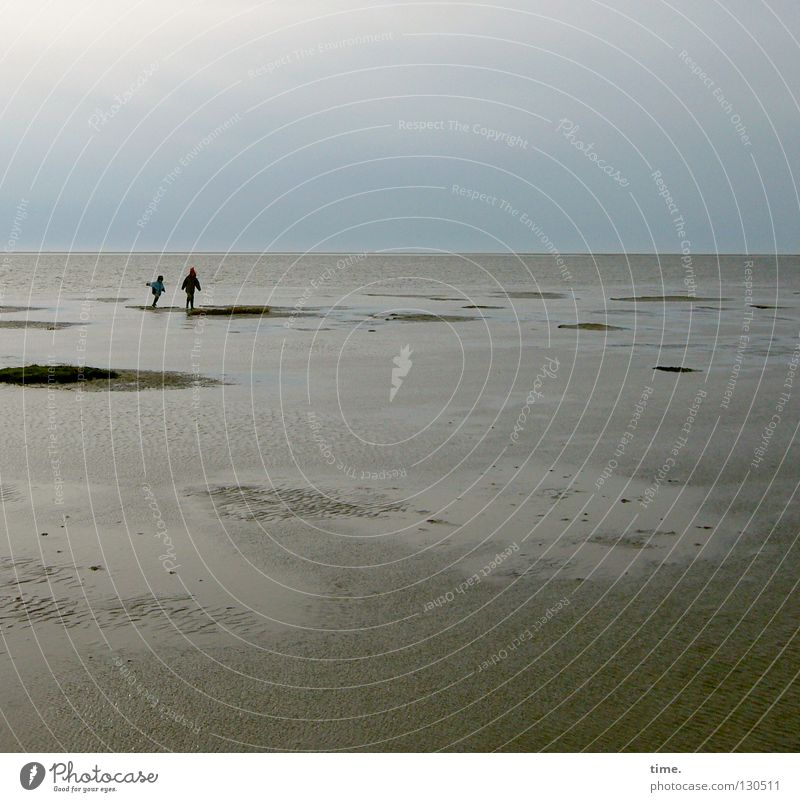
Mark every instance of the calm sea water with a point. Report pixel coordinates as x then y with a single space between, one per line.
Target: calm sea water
101 296
286 278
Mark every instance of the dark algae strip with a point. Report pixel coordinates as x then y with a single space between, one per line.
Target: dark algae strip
50 374
102 378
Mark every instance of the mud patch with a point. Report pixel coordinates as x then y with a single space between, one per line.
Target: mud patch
231 311
35 324
98 379
528 295
54 374
150 308
410 295
667 299
253 311
592 327
418 317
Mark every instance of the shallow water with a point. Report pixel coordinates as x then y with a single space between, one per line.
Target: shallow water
369 456
355 293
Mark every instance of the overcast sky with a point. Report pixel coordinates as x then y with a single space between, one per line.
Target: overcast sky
624 125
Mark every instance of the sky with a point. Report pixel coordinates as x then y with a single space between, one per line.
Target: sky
524 126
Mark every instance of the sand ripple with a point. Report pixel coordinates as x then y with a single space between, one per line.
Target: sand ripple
252 502
170 613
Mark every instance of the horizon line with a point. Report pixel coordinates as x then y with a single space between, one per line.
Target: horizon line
49 252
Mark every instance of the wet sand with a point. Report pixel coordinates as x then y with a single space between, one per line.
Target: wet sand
534 545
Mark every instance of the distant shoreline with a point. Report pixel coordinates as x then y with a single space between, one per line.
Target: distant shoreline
393 253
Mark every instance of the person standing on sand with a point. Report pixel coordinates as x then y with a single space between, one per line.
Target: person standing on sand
190 284
157 287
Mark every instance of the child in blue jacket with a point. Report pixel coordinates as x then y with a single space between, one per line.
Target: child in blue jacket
157 287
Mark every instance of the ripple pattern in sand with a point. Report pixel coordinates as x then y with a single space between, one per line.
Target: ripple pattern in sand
252 502
170 613
9 493
30 571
